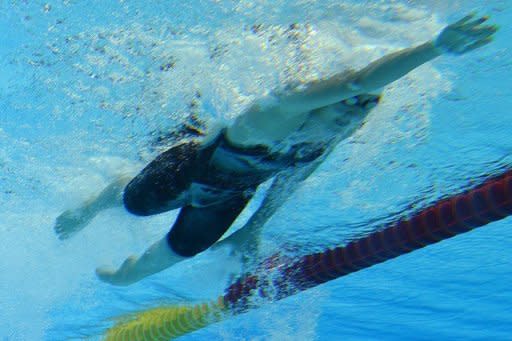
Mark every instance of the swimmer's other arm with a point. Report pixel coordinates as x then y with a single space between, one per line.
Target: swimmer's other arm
72 221
287 110
461 37
246 240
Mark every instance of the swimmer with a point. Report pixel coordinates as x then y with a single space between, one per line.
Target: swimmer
285 137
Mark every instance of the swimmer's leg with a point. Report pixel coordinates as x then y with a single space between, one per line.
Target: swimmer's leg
72 221
195 230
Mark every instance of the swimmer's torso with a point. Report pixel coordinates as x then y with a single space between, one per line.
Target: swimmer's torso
334 122
283 143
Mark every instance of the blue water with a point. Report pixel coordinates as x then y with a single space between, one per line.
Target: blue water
82 98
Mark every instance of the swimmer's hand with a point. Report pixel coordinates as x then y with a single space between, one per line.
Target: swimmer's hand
71 222
465 35
156 258
240 241
243 244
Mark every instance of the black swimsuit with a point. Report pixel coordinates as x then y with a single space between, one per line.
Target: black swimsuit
189 175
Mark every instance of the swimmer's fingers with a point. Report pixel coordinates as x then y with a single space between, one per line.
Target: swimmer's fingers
477 45
479 37
66 225
59 230
464 20
475 23
484 31
122 276
473 33
106 274
467 23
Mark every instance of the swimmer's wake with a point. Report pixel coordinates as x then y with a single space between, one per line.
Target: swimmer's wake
460 213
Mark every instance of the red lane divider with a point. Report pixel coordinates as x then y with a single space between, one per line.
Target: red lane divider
476 207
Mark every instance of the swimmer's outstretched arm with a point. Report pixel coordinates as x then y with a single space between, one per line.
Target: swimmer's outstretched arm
461 37
287 110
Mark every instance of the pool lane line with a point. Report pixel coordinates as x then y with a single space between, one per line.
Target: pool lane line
279 277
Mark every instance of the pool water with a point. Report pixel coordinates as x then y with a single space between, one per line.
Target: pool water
88 89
